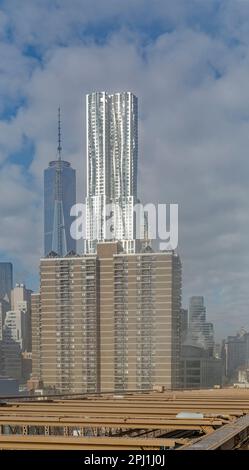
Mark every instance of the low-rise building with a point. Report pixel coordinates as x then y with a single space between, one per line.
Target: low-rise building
198 369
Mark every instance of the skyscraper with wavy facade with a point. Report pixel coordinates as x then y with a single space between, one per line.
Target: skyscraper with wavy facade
112 154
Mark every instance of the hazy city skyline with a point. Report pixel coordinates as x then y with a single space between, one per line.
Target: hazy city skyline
188 57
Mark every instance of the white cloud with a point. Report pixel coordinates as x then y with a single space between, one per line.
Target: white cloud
43 23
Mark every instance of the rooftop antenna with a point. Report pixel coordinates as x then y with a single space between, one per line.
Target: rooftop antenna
59 148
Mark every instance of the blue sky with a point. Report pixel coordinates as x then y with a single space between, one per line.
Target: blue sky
188 63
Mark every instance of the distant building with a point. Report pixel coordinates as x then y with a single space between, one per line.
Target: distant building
59 197
6 279
26 366
16 333
1 359
208 333
12 343
243 375
200 331
108 321
5 305
198 369
235 354
8 387
21 302
217 350
183 323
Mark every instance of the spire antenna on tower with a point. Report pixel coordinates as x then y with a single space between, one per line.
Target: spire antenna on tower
59 148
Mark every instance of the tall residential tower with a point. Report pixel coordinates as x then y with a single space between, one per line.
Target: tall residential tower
112 153
107 321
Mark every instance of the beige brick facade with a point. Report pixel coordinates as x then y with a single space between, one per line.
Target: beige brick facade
109 321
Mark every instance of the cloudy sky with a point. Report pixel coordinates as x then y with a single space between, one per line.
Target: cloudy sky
188 63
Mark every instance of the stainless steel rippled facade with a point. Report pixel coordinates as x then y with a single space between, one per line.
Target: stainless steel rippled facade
112 154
